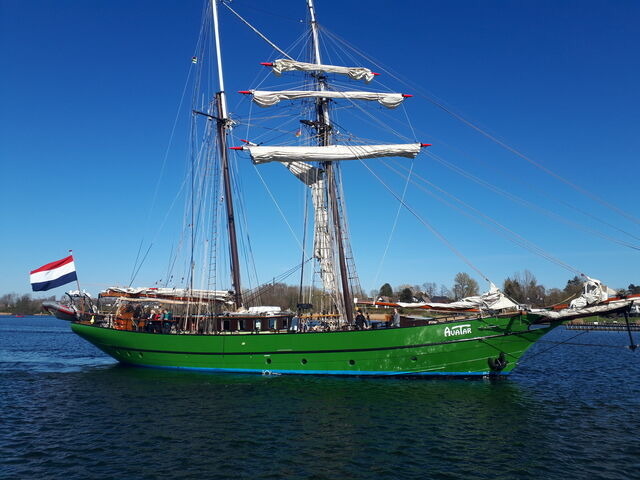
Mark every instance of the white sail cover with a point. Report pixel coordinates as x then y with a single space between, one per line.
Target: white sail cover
356 73
583 311
323 242
268 98
590 302
593 292
219 295
330 153
494 299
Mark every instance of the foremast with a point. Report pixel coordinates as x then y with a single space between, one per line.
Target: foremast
223 126
323 123
330 231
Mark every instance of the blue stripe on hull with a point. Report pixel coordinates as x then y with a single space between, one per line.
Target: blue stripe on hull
349 373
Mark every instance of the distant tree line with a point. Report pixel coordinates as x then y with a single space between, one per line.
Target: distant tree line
521 287
22 304
288 297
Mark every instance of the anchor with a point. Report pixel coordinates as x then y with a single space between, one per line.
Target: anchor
497 364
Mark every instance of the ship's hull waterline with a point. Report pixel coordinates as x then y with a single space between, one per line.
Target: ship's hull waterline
467 348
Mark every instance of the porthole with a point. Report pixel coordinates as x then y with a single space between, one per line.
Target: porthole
414 359
303 361
352 362
139 354
128 354
268 360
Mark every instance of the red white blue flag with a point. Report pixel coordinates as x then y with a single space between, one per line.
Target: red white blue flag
53 274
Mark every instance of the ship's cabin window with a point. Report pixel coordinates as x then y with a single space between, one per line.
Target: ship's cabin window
241 324
226 325
273 323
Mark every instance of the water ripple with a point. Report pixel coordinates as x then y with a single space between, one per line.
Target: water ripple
68 412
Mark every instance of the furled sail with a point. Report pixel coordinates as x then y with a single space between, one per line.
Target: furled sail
268 98
355 73
494 299
569 313
594 300
323 249
182 294
593 291
330 153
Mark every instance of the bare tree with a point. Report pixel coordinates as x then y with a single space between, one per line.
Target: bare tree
464 286
430 288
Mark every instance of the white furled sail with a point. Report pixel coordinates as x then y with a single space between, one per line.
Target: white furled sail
330 153
356 73
268 99
568 313
593 291
323 249
593 301
169 293
494 299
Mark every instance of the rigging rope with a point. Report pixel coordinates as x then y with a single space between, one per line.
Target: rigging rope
393 228
518 239
136 267
528 204
431 99
568 342
547 194
295 237
433 230
257 31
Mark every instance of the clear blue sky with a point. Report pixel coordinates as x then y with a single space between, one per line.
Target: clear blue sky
89 92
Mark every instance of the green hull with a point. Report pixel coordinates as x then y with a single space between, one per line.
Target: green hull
466 348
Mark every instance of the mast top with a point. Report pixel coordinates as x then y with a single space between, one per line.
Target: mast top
216 31
314 33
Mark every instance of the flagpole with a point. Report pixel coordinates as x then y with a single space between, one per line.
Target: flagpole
78 283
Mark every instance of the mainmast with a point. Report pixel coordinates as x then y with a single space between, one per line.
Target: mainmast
223 125
324 139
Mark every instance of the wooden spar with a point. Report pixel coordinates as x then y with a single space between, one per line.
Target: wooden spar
222 127
228 197
324 139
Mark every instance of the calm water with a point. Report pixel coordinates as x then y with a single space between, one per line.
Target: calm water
67 411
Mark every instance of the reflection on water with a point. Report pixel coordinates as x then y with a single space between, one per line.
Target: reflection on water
68 409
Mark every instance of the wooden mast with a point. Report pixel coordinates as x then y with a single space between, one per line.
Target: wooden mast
324 128
223 124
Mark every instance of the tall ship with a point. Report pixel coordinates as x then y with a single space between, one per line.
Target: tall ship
198 325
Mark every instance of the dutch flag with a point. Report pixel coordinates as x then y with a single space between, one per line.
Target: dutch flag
53 274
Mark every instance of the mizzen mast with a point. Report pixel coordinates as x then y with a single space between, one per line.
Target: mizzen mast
223 125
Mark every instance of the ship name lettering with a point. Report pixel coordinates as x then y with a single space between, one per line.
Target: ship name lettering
457 330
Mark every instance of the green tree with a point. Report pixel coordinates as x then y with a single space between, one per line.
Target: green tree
524 288
512 289
464 286
554 296
406 295
573 287
385 291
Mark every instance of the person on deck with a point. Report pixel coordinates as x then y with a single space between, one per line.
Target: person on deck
396 318
295 324
360 320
